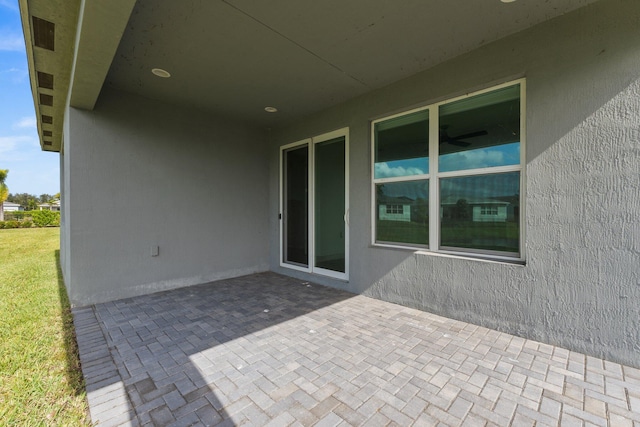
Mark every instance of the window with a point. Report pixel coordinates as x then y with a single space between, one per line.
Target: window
447 177
489 210
395 209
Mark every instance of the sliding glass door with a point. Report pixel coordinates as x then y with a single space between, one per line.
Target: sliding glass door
314 205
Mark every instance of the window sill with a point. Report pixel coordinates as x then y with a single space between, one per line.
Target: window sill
453 255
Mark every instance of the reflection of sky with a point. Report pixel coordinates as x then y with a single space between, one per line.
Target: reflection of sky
501 155
406 167
411 189
470 187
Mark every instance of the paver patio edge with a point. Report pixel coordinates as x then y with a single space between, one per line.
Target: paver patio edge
108 400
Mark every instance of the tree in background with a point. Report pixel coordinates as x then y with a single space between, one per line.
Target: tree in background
4 191
45 198
463 210
28 201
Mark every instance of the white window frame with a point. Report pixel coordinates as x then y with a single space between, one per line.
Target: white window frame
311 144
434 177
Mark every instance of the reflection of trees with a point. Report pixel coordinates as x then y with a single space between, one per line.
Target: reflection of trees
462 210
379 194
421 211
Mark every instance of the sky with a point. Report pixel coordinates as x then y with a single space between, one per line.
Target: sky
31 170
476 187
484 157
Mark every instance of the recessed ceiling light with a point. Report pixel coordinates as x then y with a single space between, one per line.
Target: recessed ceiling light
271 109
161 73
507 1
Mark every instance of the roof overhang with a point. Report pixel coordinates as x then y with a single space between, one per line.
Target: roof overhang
70 46
233 58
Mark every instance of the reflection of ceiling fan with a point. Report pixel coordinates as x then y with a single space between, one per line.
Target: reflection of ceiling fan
458 140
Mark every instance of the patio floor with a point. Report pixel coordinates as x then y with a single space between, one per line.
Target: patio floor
271 350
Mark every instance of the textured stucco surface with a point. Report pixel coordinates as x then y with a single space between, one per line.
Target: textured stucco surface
139 174
580 287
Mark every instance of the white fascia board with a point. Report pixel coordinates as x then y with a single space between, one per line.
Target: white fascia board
101 25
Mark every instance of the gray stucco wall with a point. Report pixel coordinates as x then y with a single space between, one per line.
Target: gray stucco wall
139 174
64 206
580 287
64 227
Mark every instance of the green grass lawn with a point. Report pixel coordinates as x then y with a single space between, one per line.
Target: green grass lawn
501 236
403 232
40 378
498 236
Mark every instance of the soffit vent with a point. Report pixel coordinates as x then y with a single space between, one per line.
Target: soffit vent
45 80
43 33
47 119
47 133
47 142
46 99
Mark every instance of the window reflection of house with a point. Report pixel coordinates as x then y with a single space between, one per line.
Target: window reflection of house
488 210
479 210
395 209
490 213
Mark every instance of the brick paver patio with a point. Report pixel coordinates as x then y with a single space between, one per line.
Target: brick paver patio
271 350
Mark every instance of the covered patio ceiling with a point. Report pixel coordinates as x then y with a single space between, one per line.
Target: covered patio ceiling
235 57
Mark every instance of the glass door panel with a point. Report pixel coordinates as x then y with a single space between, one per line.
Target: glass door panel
295 244
329 205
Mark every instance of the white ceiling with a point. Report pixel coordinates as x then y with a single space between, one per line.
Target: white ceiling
235 57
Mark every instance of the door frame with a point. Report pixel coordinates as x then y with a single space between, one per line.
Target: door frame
311 144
